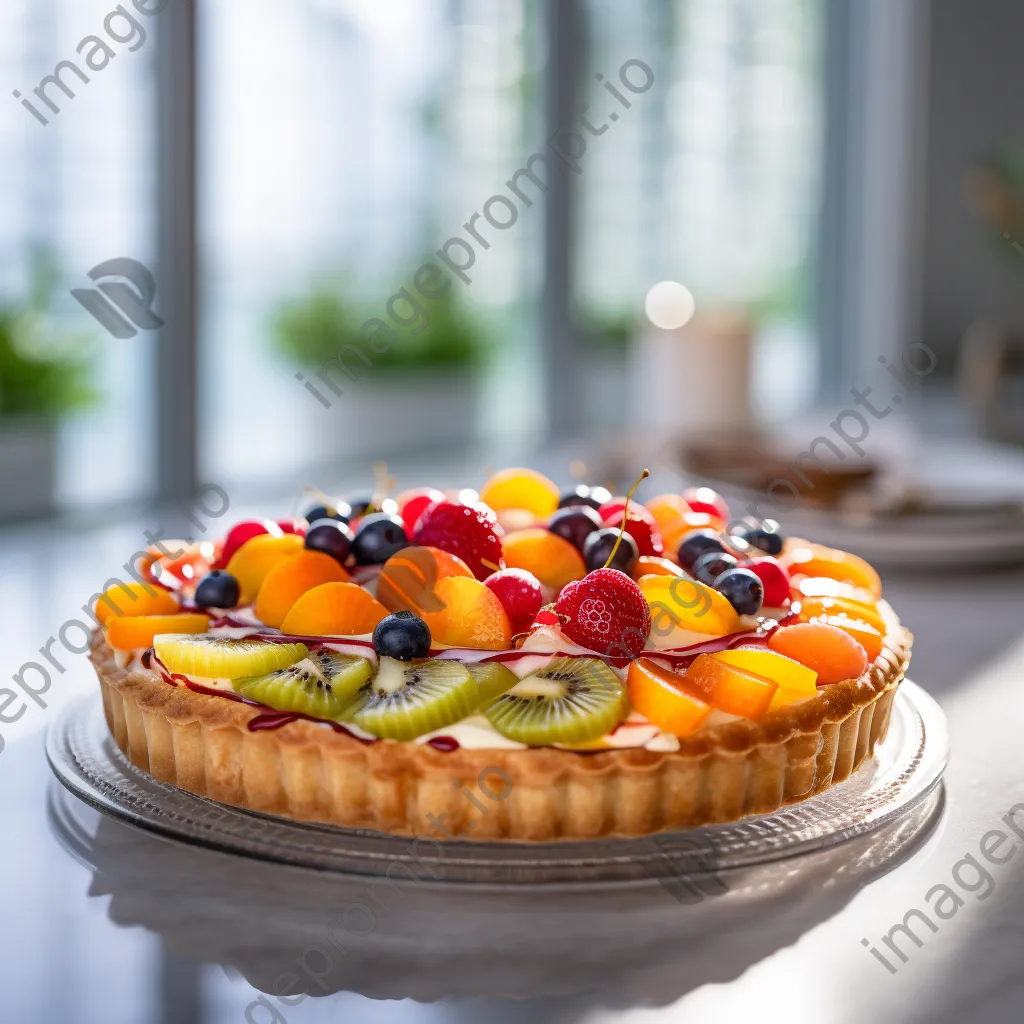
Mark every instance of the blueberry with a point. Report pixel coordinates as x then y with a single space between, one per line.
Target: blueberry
697 543
575 523
342 511
760 533
331 537
402 635
711 565
378 537
579 495
743 590
598 547
218 589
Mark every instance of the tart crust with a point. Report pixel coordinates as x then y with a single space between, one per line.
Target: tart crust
309 772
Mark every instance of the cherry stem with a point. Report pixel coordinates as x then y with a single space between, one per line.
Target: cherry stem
625 515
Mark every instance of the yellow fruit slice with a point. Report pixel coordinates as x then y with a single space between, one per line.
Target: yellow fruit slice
256 557
224 657
131 632
783 698
676 601
789 674
521 488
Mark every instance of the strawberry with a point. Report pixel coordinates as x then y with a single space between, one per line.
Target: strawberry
642 527
605 612
774 580
520 595
470 532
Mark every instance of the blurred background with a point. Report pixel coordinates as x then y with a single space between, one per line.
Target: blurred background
808 195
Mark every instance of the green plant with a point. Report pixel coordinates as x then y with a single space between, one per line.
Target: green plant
44 369
311 331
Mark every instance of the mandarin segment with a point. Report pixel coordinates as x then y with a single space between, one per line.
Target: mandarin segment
830 651
409 578
131 632
334 609
552 559
656 693
520 488
256 557
471 616
290 578
730 689
134 599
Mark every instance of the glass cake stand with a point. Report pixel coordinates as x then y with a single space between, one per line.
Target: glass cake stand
897 790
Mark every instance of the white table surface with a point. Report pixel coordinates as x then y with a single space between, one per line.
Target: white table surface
63 957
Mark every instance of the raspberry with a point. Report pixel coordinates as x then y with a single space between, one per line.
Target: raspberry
520 595
642 527
605 612
774 579
467 531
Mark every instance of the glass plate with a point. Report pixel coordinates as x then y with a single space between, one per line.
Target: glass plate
896 782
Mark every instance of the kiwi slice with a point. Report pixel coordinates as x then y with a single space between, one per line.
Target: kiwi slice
408 698
224 657
492 679
322 685
572 700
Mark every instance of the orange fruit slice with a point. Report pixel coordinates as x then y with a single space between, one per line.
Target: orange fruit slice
863 632
256 557
290 578
818 560
521 488
830 651
666 509
409 578
134 599
552 559
656 693
471 616
818 607
788 673
655 565
130 632
730 689
334 609
677 601
672 534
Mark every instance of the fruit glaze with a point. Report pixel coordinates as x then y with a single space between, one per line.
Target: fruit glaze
518 617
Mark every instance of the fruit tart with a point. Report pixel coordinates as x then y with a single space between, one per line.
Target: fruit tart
520 664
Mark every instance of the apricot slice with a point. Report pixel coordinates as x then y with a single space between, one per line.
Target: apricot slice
656 693
863 632
817 607
256 557
672 534
830 651
290 578
134 599
471 616
678 601
409 577
789 674
129 632
655 565
818 560
730 689
334 609
666 509
552 559
521 488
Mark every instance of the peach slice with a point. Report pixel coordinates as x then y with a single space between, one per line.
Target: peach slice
789 674
334 609
656 693
863 632
819 607
409 577
677 601
818 560
730 689
830 651
290 578
129 632
256 557
134 599
552 559
521 488
666 509
471 616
